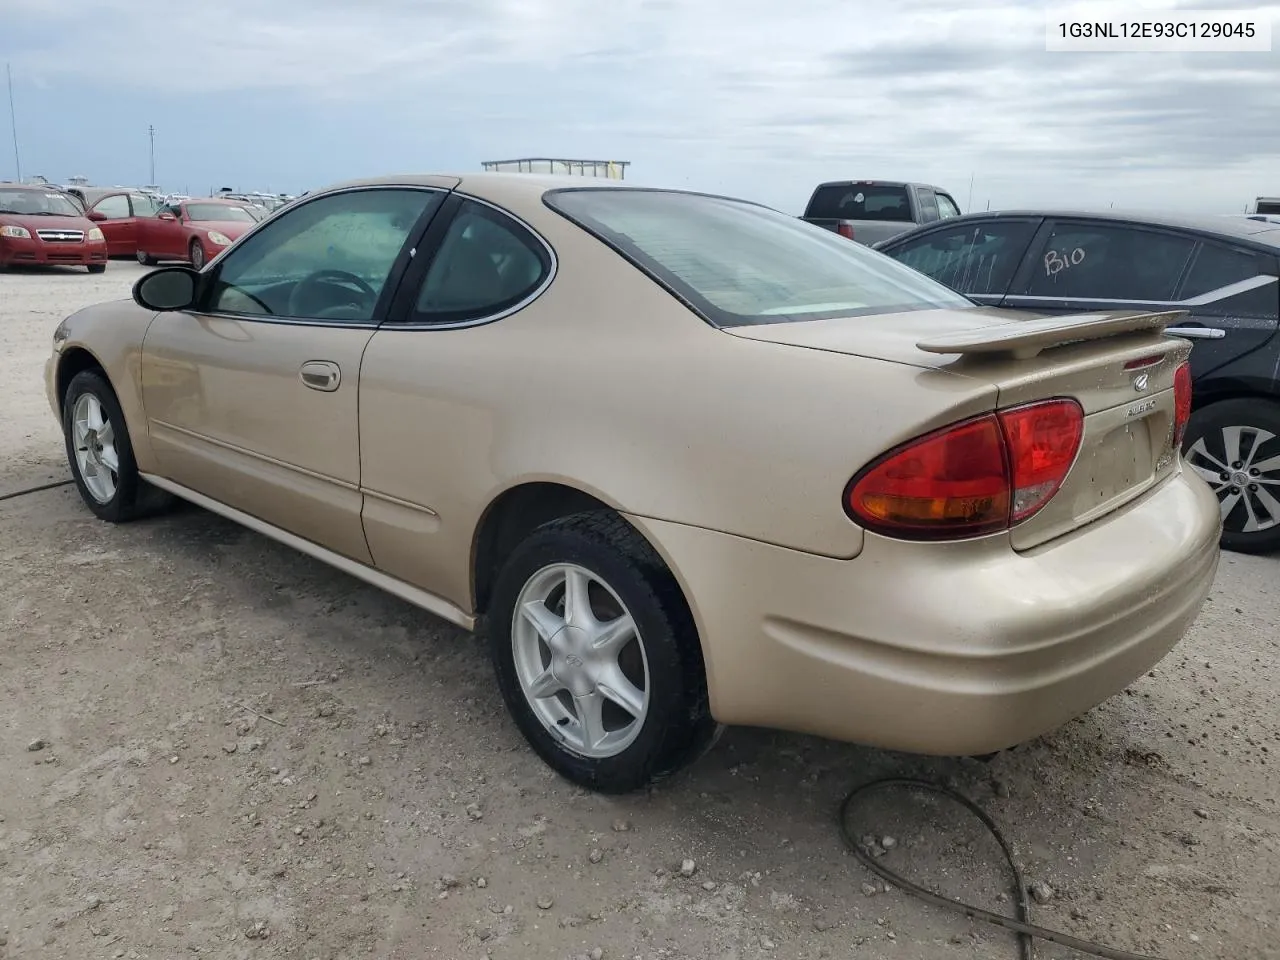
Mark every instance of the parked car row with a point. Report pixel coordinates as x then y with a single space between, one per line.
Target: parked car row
95 223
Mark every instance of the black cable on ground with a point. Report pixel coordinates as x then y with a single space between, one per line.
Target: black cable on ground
1021 925
43 486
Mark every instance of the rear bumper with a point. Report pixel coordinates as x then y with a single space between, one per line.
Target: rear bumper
949 649
37 253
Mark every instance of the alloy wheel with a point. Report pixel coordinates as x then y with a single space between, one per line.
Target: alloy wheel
1246 482
95 448
580 660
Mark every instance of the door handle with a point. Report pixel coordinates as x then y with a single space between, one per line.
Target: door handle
321 375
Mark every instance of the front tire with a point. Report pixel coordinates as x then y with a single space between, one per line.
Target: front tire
1234 445
146 259
100 453
196 253
597 655
96 267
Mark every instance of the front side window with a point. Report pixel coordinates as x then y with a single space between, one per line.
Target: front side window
486 264
1107 261
324 260
738 263
947 207
114 207
1216 266
974 259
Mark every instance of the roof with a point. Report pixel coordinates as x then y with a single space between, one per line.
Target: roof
881 183
1228 226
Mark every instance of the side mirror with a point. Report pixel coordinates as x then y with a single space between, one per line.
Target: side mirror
97 216
169 288
167 216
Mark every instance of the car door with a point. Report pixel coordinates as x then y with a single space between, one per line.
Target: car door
161 236
426 430
114 216
976 258
252 398
1098 264
1225 329
1084 265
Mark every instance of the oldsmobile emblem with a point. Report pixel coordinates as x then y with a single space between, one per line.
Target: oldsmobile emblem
1140 382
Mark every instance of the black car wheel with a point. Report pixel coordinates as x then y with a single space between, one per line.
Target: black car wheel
1235 446
597 655
100 453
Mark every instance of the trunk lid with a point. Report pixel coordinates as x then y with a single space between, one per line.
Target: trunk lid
1118 365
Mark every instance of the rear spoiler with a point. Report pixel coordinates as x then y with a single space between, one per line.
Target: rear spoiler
1024 339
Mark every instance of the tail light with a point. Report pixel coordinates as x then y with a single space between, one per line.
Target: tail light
845 230
971 478
1181 402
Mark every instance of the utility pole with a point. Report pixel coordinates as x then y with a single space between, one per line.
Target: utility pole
13 123
151 132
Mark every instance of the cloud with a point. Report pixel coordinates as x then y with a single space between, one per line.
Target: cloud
748 96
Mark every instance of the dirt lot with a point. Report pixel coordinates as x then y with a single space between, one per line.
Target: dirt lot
246 754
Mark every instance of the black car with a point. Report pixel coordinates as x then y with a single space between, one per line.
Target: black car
1223 270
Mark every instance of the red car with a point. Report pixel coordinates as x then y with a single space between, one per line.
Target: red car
194 230
42 227
117 212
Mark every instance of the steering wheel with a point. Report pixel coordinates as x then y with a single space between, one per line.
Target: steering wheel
335 280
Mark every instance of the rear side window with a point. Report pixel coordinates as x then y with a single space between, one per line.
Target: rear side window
946 207
860 201
973 259
738 263
486 265
928 205
1106 261
1217 265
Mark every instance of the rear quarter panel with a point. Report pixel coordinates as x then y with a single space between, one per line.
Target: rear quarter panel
608 384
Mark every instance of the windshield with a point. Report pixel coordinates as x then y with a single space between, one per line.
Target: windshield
217 211
737 263
37 203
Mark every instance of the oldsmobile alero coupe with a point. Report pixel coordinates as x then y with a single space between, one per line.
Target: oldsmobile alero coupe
687 461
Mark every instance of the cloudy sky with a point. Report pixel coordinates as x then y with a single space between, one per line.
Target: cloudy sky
758 98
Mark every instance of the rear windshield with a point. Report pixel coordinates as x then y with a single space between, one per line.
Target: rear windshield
860 201
1268 206
218 211
738 263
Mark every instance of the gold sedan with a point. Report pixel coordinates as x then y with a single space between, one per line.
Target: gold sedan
686 460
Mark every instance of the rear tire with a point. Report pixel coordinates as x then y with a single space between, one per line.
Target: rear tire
146 259
657 668
100 453
97 267
1234 445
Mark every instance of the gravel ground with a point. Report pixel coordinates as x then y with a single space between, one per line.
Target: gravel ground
214 746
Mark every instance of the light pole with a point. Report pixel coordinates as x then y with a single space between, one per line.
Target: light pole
151 132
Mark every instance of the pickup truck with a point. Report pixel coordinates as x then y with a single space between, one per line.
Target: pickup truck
869 211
